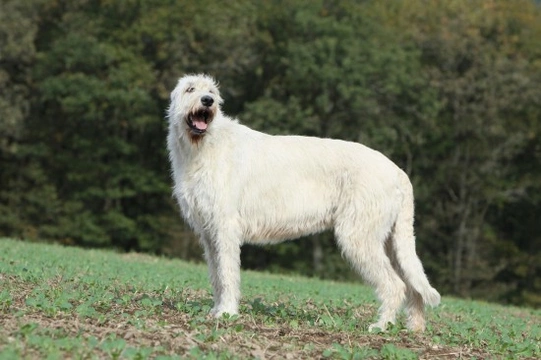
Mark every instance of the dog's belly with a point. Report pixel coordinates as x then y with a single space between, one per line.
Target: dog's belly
275 214
263 231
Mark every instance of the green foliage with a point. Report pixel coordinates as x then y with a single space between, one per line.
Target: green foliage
486 79
18 171
68 302
449 90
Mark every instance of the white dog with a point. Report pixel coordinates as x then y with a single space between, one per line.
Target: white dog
235 185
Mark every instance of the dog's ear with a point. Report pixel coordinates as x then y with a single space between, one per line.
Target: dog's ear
172 110
216 89
219 99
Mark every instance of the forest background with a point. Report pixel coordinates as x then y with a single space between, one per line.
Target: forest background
449 90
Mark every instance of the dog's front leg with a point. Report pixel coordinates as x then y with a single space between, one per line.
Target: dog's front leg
223 258
210 257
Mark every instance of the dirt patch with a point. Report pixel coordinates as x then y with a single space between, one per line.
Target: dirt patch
175 334
166 330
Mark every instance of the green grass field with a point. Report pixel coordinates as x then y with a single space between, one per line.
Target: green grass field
58 302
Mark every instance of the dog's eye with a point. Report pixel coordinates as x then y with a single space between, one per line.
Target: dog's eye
190 89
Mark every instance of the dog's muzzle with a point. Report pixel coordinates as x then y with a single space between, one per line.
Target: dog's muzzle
199 119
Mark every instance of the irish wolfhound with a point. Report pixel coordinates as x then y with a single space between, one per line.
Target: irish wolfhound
235 185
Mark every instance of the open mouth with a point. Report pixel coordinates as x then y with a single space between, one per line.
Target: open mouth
198 121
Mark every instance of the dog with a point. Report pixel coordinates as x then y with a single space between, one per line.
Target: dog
235 185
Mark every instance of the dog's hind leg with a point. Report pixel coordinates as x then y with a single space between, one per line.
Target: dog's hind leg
415 308
405 259
364 248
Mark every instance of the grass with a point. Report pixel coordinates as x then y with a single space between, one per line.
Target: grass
58 302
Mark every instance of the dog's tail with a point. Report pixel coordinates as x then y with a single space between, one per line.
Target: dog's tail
404 247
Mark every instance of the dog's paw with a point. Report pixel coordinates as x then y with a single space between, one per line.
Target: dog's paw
218 312
416 325
378 327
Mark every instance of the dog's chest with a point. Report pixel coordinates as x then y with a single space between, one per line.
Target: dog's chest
198 191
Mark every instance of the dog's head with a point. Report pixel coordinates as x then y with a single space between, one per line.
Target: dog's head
195 102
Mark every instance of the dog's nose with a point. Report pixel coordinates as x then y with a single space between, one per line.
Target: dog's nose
207 100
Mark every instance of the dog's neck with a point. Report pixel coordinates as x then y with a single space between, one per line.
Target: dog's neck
181 139
189 145
190 148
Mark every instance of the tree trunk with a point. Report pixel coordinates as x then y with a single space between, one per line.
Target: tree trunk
317 255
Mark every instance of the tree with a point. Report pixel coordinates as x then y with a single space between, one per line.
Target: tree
90 82
24 192
478 57
92 118
448 90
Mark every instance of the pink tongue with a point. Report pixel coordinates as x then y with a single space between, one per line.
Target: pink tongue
200 124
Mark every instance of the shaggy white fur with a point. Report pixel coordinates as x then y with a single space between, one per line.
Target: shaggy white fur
235 185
